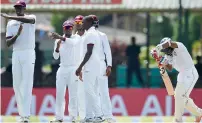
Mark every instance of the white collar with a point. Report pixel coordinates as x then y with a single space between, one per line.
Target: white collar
91 28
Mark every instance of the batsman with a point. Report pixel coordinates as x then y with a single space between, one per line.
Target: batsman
178 57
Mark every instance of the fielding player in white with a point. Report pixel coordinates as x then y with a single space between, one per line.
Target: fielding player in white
67 47
105 54
79 31
21 34
177 56
91 72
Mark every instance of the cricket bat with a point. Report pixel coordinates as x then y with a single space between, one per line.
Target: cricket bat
164 74
166 80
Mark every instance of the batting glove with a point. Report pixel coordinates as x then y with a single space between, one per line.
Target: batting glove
154 54
163 61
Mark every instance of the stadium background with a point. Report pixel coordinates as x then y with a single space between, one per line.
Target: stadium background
147 20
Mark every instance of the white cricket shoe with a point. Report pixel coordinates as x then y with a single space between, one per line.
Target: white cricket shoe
73 119
88 120
110 120
56 121
98 120
177 121
24 120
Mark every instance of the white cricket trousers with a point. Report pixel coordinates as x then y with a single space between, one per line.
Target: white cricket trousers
93 108
81 100
105 101
23 71
186 81
66 77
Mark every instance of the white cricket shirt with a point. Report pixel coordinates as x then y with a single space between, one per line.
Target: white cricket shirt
92 37
105 50
70 51
26 40
181 59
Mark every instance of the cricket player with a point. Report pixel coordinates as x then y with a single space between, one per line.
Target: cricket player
177 56
91 71
66 47
105 54
78 25
79 31
21 35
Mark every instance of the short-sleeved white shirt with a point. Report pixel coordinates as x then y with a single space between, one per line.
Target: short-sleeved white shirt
81 43
181 59
26 40
92 37
105 51
69 52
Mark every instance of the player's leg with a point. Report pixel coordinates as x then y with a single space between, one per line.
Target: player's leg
61 84
98 117
190 105
104 94
186 82
73 91
81 100
89 79
105 98
17 80
179 101
27 62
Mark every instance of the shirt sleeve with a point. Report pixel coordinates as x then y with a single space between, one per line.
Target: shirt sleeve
55 54
180 47
89 39
107 50
72 41
9 30
33 16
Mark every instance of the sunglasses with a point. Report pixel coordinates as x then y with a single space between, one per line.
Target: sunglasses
78 22
68 27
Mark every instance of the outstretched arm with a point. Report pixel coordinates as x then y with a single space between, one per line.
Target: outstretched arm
23 19
57 36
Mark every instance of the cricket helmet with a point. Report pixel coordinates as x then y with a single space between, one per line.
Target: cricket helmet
169 50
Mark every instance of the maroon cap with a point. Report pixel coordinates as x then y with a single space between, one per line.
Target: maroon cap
95 18
78 18
20 3
68 23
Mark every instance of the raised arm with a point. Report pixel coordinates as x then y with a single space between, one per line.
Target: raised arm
57 36
24 19
166 42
